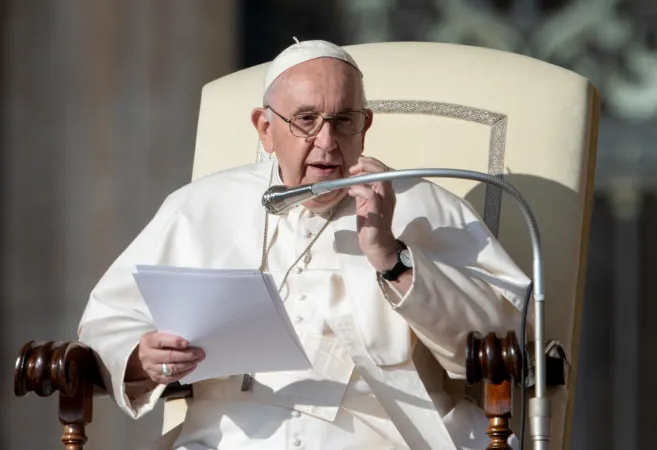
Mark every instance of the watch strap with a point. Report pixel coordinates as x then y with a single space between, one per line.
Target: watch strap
398 268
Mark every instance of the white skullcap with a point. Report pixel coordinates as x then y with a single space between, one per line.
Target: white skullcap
305 51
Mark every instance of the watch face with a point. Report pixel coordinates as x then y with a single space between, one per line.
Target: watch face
405 258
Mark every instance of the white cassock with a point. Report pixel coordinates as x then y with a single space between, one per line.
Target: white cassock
367 388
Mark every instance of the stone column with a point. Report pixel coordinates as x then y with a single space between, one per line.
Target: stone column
593 387
647 316
625 194
100 104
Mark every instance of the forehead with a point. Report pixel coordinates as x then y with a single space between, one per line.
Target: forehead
326 84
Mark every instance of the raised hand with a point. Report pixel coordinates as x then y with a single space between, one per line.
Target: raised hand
375 207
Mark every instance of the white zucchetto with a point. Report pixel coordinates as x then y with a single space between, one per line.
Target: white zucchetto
301 52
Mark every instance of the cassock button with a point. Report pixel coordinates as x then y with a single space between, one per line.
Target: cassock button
296 442
299 319
302 297
298 270
307 233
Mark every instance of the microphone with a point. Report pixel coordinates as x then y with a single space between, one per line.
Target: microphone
280 199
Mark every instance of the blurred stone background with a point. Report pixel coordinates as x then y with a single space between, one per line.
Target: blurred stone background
99 108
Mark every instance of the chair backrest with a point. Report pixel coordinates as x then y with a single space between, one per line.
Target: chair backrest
444 105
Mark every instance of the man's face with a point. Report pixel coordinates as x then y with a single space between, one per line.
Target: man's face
326 86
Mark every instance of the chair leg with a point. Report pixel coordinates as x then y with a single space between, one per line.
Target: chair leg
499 433
497 404
74 437
496 361
75 413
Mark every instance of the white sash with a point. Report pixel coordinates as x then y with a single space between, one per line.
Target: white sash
400 392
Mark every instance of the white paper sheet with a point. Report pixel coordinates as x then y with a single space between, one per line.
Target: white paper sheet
235 316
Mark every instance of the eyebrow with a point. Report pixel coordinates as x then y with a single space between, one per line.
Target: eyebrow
310 108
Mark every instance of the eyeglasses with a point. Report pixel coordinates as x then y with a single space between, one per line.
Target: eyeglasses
308 124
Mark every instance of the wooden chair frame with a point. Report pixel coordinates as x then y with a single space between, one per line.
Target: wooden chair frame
71 370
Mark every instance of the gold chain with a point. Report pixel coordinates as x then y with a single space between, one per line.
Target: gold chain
264 263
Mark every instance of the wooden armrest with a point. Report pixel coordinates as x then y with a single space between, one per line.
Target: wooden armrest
46 367
70 369
497 361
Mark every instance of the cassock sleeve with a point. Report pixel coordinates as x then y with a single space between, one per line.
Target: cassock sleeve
468 284
116 315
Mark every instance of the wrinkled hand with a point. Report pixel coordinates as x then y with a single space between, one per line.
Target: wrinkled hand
375 207
156 348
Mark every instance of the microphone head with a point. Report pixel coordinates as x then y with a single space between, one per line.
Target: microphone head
269 199
280 199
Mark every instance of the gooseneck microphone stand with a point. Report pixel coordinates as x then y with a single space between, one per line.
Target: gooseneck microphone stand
279 199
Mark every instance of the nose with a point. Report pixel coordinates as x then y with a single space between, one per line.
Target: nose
326 138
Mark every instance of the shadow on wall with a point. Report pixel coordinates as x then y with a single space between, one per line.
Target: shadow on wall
557 208
559 213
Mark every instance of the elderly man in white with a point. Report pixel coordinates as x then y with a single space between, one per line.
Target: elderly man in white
365 273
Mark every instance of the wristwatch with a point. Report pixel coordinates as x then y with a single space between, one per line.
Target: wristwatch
404 263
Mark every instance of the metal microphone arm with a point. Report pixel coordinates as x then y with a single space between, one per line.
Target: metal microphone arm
279 199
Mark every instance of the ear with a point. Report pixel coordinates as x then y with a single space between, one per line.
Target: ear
263 127
368 123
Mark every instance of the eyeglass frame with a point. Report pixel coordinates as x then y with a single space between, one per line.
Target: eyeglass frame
324 120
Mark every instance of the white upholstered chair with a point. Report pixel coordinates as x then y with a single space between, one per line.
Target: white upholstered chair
452 106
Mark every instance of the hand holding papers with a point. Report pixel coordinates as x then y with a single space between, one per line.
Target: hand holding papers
235 316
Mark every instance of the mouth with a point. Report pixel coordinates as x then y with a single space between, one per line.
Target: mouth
324 169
